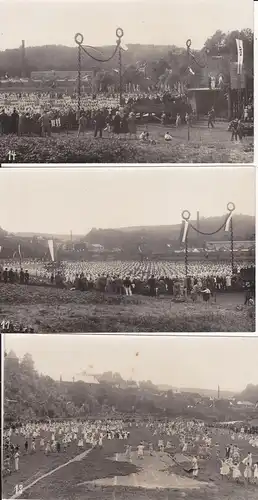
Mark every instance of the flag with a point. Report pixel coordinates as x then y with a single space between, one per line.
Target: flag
240 55
51 249
185 231
191 71
123 46
227 226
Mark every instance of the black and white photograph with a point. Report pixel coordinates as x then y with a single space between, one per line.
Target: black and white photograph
127 250
126 82
121 418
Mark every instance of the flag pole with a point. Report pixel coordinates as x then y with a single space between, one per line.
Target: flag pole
231 207
186 216
120 34
188 45
79 40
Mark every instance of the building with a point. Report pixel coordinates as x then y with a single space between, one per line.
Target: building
11 361
87 378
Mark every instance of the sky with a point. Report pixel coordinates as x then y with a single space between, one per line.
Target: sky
202 363
167 22
55 201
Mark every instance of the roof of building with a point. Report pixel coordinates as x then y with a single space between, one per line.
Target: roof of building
11 355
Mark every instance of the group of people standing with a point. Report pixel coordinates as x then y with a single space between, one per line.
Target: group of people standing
119 123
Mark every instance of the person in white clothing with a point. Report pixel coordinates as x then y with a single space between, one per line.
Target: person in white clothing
248 462
195 467
140 450
16 461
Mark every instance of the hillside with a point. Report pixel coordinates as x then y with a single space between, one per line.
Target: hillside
39 396
153 239
250 393
157 237
156 57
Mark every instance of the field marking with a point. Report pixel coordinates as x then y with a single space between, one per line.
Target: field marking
75 459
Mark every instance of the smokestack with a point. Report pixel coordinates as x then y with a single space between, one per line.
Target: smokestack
218 392
71 235
23 69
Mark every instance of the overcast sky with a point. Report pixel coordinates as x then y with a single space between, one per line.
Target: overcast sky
57 201
165 22
181 362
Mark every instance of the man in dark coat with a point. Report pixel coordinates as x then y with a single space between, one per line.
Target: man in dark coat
14 122
100 123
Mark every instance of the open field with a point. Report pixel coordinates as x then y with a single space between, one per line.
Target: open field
51 310
96 473
205 146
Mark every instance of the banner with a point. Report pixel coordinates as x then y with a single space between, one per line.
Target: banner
19 252
240 56
185 231
51 249
227 226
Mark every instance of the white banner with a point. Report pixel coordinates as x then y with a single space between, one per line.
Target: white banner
240 55
227 226
185 231
51 249
19 252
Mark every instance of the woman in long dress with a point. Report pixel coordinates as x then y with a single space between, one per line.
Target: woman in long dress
236 472
225 469
256 473
117 124
248 462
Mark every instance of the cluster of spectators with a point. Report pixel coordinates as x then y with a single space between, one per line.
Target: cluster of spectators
14 276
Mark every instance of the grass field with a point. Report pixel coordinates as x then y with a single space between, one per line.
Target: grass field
108 474
50 310
205 146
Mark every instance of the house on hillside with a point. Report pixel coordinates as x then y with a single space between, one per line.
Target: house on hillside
86 378
245 404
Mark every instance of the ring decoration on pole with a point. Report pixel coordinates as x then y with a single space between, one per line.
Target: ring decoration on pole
186 215
190 53
119 33
231 206
78 38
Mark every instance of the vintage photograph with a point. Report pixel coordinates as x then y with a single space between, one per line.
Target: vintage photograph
108 417
125 82
127 250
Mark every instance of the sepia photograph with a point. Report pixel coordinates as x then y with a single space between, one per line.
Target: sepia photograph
126 82
122 418
127 250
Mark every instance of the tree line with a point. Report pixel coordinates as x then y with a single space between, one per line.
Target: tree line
147 65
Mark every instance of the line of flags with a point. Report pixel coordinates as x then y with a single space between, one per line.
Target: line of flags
19 252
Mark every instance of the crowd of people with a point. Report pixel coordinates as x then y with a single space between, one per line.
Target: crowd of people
196 442
45 112
133 277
